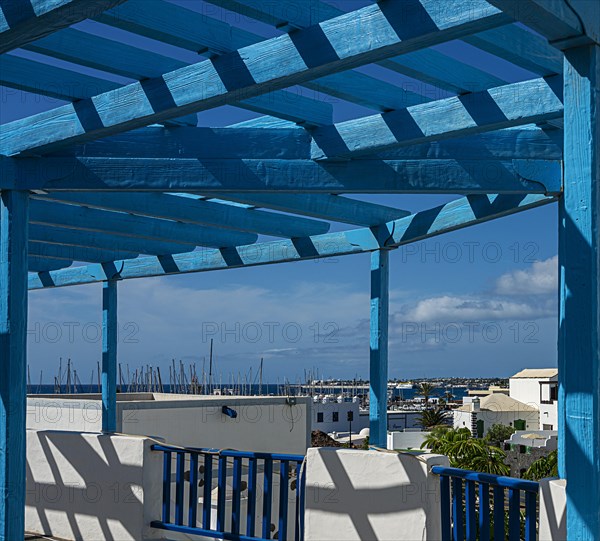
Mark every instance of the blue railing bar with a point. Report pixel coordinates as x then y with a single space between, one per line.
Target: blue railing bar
179 483
530 516
498 512
471 518
284 476
193 510
514 515
251 509
267 497
207 491
457 513
445 503
222 493
229 453
166 504
494 480
202 532
237 494
484 512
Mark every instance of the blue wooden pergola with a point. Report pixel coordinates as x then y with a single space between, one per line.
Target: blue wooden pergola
122 179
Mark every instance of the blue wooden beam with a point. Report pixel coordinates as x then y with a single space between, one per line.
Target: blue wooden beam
578 347
194 211
75 237
129 61
323 206
494 109
430 66
353 86
378 347
47 213
252 71
520 47
300 176
110 331
293 143
60 83
37 264
455 215
88 254
13 361
564 24
24 22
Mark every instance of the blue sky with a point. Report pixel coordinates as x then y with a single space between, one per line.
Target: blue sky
477 302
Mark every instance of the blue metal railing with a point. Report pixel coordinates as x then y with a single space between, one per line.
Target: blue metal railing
469 515
242 480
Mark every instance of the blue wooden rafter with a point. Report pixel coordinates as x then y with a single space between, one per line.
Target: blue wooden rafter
23 22
458 214
251 71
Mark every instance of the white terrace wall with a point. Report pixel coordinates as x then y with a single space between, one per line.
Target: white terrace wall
92 486
358 495
553 505
263 424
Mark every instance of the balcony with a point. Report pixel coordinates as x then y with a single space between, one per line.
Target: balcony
91 486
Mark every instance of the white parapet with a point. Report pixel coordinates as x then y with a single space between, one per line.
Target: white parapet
92 486
553 506
358 495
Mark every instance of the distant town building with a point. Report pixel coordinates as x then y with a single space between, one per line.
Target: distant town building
479 415
538 387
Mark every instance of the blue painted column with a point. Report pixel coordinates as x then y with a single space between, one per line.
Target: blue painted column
378 369
109 356
578 355
13 360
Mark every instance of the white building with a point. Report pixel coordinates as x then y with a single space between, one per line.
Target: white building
480 414
332 415
538 387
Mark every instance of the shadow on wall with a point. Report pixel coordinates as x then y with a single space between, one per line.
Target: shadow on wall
91 486
353 495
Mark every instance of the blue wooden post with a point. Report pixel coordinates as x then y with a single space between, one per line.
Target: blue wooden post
378 374
13 360
579 362
109 356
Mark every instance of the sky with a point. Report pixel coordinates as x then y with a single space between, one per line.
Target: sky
473 303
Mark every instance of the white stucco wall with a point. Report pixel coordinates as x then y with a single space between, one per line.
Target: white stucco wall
264 424
462 419
549 415
371 495
92 486
553 504
526 390
405 440
328 425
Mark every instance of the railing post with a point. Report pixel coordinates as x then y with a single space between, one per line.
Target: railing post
109 356
13 360
578 348
378 372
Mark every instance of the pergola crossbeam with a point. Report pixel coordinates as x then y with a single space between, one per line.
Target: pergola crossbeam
455 215
24 22
461 176
332 46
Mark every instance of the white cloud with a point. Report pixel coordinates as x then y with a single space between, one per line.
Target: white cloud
463 308
540 279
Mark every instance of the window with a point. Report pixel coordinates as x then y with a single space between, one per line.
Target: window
547 427
320 417
336 416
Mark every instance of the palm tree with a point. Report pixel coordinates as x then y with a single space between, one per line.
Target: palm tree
546 466
466 452
425 390
432 418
